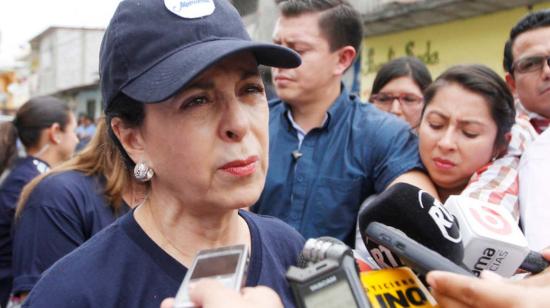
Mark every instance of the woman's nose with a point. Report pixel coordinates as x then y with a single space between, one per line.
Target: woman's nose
447 141
234 123
396 107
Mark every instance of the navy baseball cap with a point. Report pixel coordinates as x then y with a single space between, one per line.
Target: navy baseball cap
153 48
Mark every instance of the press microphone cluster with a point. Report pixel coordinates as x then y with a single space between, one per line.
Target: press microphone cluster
405 228
471 233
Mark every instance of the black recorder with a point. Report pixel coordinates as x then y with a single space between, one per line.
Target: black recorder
329 278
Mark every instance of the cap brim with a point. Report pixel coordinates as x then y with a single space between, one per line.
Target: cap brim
167 77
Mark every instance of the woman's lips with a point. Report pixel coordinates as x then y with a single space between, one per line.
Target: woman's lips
443 163
241 167
282 80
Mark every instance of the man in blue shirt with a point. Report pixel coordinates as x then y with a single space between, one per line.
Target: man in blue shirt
328 151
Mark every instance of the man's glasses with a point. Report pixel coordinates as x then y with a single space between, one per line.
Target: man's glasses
530 64
406 99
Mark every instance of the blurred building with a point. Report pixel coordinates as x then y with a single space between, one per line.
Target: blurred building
64 62
441 33
7 78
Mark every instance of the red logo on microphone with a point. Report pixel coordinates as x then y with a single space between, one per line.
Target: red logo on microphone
491 220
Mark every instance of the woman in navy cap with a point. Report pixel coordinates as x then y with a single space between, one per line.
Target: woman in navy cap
45 126
186 105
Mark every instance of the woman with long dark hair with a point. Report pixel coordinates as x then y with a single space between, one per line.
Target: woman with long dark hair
45 126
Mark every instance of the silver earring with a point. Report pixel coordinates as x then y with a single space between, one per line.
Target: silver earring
142 172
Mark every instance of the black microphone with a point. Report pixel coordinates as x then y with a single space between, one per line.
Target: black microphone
418 215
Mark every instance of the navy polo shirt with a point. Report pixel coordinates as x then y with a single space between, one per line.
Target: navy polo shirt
62 212
122 267
24 171
356 153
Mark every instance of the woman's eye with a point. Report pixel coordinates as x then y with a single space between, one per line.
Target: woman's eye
195 101
251 89
470 135
435 126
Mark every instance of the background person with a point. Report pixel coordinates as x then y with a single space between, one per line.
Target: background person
526 61
85 131
398 88
45 125
328 150
465 125
189 114
534 170
60 210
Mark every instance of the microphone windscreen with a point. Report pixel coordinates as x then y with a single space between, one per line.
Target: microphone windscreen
419 216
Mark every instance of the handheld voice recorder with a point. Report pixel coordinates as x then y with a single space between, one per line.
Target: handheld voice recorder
330 278
226 264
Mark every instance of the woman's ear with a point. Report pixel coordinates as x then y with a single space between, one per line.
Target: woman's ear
54 133
130 138
501 149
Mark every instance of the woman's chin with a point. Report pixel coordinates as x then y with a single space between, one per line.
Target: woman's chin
245 202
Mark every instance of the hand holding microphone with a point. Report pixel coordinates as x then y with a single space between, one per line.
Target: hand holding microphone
452 290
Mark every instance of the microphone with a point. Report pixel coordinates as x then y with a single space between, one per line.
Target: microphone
296 154
492 239
417 214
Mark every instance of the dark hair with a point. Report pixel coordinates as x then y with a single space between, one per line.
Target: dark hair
8 145
339 22
132 113
484 81
34 116
530 22
401 67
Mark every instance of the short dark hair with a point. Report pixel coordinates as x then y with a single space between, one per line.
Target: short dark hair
402 67
31 118
339 22
530 22
484 81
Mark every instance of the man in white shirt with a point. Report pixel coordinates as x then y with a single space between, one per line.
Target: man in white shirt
527 62
534 187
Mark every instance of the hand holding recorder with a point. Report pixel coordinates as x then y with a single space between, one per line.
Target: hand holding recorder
227 265
209 293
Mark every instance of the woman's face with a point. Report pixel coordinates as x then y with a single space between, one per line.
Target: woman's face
68 139
402 97
208 145
456 136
